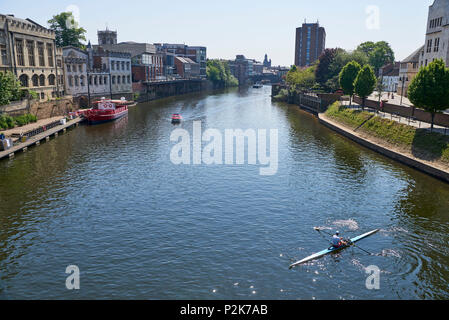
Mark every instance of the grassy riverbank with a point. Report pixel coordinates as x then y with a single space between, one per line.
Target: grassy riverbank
419 142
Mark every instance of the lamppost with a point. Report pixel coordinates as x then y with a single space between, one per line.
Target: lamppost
404 78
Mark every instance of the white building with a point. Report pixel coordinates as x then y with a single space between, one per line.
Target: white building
437 33
390 76
119 66
75 65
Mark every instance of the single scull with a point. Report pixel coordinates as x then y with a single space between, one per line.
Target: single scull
332 249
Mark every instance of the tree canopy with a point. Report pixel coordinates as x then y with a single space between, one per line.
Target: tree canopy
219 74
379 53
429 89
10 88
67 31
348 76
301 79
365 82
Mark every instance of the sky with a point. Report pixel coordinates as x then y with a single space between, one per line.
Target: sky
251 28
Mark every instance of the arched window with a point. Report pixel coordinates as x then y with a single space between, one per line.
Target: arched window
100 80
124 79
24 80
118 79
70 78
35 80
113 79
77 81
95 80
123 65
90 80
51 80
42 80
105 80
82 81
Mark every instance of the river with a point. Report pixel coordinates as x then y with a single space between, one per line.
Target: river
109 200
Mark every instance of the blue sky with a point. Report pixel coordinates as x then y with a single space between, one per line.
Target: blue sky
247 27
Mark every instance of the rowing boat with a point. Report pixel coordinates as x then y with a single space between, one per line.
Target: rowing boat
332 249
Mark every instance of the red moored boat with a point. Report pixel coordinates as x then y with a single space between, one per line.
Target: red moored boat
106 110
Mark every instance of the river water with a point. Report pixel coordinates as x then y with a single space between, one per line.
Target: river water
109 200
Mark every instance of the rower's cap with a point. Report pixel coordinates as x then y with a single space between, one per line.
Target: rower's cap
337 233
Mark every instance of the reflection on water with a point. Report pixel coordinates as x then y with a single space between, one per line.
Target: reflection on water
108 199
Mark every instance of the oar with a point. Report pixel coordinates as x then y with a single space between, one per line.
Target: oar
353 244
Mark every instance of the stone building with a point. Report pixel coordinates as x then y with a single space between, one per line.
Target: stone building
436 44
29 51
119 66
310 44
408 70
187 68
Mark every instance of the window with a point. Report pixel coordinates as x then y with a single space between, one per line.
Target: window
4 54
35 80
50 54
19 49
24 80
429 45
118 79
123 65
51 80
70 81
113 79
90 80
81 68
42 80
437 45
124 79
77 81
95 81
30 49
100 80
105 80
128 78
127 65
40 52
112 65
69 69
82 81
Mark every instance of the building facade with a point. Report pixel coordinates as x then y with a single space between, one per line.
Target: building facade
390 76
187 68
29 51
118 64
310 44
408 70
436 44
197 54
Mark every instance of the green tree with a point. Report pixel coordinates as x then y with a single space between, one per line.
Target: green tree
429 89
67 31
347 78
301 79
10 88
219 73
365 83
379 54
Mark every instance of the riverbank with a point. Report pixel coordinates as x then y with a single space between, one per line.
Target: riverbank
417 148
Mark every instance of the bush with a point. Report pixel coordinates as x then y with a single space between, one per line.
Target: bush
7 122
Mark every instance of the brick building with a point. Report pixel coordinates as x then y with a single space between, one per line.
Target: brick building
310 43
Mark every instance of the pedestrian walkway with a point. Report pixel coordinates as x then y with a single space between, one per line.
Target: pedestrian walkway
401 119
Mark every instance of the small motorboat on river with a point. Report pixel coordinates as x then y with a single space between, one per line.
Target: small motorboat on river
176 118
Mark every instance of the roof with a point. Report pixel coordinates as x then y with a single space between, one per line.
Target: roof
414 57
391 70
186 60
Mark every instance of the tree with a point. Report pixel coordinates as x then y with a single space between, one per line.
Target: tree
429 89
325 60
10 88
365 83
379 54
341 59
347 78
67 31
219 74
302 79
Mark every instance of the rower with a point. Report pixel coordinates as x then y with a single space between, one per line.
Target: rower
337 241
